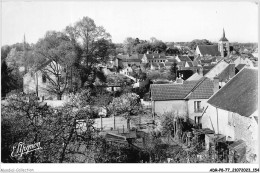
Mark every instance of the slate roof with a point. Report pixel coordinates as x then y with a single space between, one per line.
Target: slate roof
223 38
195 76
184 58
190 64
205 61
209 50
227 73
206 69
240 66
194 89
239 95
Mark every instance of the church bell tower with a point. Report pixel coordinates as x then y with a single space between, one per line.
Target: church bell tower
223 45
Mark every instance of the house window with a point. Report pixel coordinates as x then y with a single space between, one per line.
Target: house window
198 121
43 78
197 106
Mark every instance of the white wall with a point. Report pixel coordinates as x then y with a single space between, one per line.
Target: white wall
218 122
191 112
161 107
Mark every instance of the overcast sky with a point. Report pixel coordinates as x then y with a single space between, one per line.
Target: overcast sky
166 20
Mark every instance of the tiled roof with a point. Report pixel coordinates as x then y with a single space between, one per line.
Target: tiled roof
239 95
204 61
168 63
203 91
122 56
184 58
155 55
206 69
209 50
136 56
172 60
194 89
131 60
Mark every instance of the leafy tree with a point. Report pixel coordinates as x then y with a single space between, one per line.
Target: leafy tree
174 70
66 134
4 52
129 43
142 48
136 42
91 44
56 50
159 46
172 51
167 123
112 152
23 121
126 105
8 80
194 43
153 40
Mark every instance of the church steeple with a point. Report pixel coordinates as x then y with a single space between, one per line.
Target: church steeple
24 43
223 45
223 37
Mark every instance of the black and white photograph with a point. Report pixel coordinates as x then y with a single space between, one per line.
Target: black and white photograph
154 86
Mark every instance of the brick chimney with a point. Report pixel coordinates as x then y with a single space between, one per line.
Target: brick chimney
215 84
179 81
200 72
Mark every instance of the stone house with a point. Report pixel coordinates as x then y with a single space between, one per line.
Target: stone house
186 98
233 112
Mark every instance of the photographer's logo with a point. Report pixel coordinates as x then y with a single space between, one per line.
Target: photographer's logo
21 149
